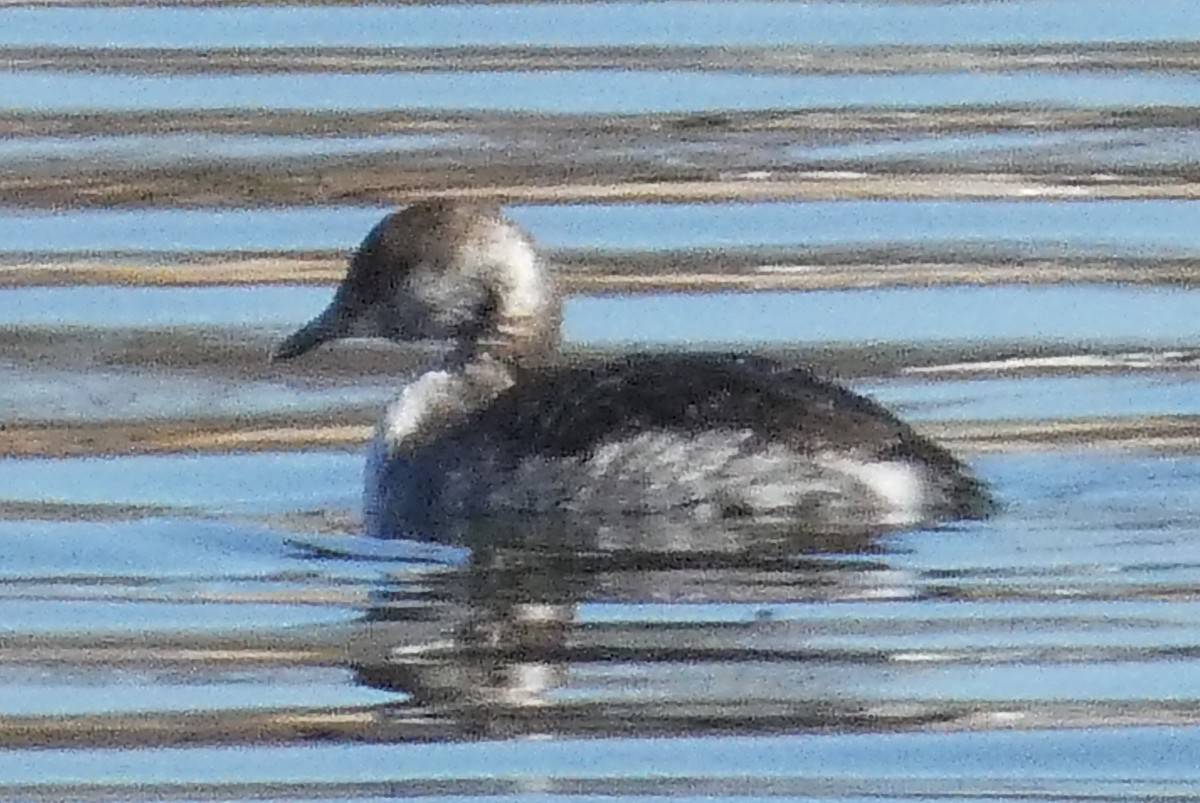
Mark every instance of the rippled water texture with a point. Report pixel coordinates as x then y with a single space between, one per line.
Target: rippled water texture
982 214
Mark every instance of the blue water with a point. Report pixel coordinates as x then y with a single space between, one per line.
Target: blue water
63 394
1156 147
208 147
204 307
1042 397
243 484
676 22
171 573
580 92
1077 528
1080 593
54 616
148 691
1042 314
1075 314
1107 227
1116 226
164 550
1160 758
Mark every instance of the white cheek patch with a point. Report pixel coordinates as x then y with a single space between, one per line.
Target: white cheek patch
500 267
525 291
449 297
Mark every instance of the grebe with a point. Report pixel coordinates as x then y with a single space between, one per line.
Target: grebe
498 429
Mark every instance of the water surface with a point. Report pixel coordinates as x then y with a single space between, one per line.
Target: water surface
212 626
191 147
677 22
1099 227
1073 600
1089 314
584 91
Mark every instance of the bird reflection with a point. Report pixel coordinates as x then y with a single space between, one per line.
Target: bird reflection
530 637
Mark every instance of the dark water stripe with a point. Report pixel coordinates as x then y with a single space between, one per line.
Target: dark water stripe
1176 434
805 123
1153 56
631 272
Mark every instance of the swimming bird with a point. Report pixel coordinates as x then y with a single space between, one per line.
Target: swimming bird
501 427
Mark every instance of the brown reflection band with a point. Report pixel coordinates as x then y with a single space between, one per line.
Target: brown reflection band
597 272
61 440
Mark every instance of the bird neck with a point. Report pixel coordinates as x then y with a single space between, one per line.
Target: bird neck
438 400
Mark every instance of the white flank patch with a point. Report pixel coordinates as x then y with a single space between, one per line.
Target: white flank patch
660 471
900 486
